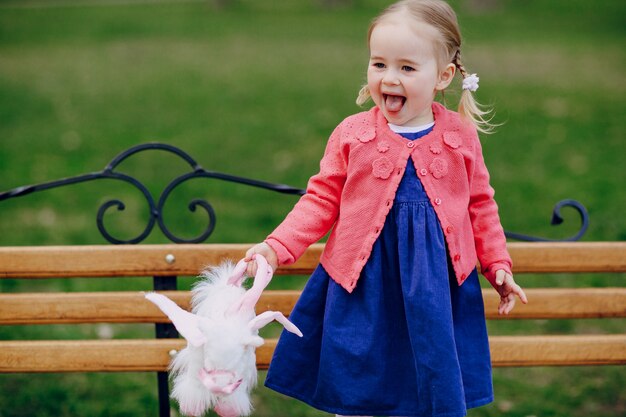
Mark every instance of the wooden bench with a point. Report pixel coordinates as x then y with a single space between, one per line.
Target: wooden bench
119 355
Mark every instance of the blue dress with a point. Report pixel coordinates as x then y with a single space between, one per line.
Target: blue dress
408 341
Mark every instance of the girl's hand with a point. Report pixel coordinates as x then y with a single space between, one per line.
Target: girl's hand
261 249
508 289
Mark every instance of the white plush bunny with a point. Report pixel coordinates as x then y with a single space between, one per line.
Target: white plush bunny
217 369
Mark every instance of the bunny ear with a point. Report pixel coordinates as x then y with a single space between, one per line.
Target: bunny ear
238 273
251 297
264 272
264 318
185 322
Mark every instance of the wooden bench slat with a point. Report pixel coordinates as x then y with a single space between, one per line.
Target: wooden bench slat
153 355
575 257
568 350
131 307
149 260
562 303
112 261
110 307
87 355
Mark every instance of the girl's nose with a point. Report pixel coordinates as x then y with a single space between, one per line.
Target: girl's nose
391 78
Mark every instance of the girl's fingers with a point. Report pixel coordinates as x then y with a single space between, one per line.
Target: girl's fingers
501 275
510 304
521 294
502 307
506 304
251 269
508 290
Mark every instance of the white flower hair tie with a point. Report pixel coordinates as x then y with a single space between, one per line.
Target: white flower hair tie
471 82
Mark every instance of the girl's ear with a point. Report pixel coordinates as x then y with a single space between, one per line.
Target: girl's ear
445 77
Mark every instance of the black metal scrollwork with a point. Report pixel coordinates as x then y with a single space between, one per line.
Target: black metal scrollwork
556 220
156 208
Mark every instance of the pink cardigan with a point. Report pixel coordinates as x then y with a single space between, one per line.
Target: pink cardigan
355 188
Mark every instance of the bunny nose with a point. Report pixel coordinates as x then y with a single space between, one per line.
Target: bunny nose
219 381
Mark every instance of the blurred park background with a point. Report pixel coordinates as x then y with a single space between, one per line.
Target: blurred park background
254 88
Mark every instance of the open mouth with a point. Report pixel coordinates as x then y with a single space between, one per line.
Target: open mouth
394 103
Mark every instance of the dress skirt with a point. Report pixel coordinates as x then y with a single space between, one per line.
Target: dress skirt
408 341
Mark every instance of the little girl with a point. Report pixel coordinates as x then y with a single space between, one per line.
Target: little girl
393 317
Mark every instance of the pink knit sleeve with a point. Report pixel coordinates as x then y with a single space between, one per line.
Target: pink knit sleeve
488 232
317 210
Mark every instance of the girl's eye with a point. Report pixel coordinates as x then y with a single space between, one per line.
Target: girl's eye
407 68
378 65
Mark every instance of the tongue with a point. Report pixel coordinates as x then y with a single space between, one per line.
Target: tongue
394 103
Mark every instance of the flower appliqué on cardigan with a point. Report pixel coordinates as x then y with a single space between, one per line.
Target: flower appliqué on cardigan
382 168
435 148
452 139
366 134
382 147
439 168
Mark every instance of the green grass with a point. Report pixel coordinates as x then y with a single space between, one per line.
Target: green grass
254 90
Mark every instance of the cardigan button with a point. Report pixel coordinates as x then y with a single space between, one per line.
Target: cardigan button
457 257
410 144
423 171
438 201
463 276
450 229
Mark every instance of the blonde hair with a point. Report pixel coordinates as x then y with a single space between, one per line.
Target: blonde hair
439 15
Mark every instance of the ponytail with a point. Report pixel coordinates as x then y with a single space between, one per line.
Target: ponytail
469 108
364 95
